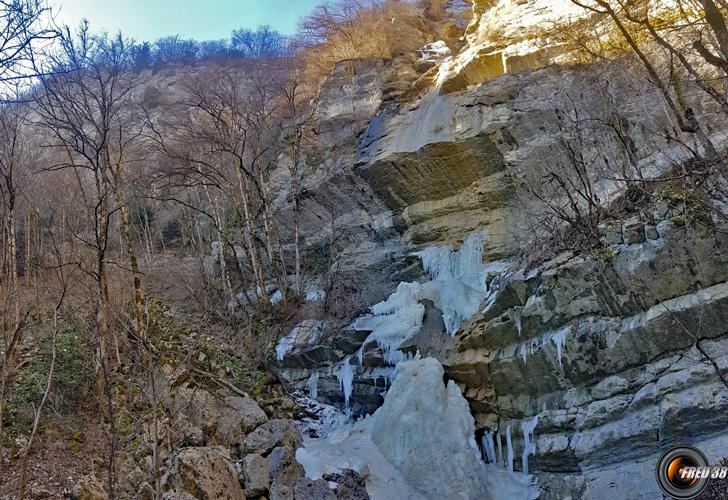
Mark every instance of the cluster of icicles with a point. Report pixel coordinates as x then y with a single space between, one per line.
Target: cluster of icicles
457 287
460 285
493 446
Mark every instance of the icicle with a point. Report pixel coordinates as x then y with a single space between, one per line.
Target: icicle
559 339
516 315
499 456
509 445
345 375
312 385
404 315
489 447
529 447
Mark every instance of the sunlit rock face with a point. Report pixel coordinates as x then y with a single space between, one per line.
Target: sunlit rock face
507 36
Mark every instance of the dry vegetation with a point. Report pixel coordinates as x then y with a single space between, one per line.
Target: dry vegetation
682 54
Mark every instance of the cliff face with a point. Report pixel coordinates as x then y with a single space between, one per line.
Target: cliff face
599 349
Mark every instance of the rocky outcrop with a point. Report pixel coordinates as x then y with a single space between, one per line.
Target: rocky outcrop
596 353
212 443
256 475
602 350
272 434
204 474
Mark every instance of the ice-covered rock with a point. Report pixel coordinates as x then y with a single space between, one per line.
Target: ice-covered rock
426 431
419 444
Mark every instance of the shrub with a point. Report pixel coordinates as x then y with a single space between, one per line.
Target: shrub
361 29
71 379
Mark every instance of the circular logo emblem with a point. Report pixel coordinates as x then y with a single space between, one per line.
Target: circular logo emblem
682 472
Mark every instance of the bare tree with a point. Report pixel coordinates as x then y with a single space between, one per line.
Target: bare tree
87 105
298 118
262 43
684 115
24 30
224 136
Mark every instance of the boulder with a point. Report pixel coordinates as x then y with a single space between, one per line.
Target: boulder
281 492
204 473
237 417
256 475
276 432
633 231
199 406
283 467
184 433
350 485
313 490
89 488
610 233
145 492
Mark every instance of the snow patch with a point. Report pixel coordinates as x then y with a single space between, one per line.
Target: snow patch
315 296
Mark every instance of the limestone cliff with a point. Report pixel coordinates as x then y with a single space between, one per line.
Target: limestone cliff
597 350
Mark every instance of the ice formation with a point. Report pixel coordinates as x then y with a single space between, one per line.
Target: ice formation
425 430
458 287
489 447
459 279
400 318
345 375
509 450
559 339
529 447
516 316
352 448
312 385
499 457
285 344
419 444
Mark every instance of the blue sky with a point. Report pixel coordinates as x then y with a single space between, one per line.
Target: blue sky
199 19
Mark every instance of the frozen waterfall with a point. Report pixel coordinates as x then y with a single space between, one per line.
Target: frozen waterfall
419 444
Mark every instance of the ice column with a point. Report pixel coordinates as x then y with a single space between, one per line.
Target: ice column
345 375
529 447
